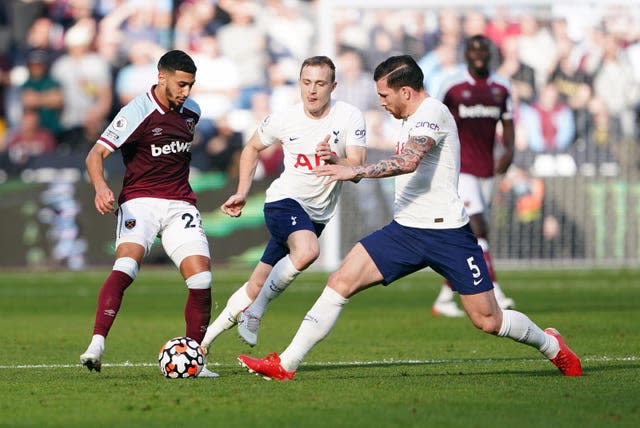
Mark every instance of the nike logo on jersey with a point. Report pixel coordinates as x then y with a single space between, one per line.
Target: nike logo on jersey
293 138
477 281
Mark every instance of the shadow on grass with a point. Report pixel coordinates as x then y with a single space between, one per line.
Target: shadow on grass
471 367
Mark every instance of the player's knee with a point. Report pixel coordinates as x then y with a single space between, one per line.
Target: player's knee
340 283
199 281
126 265
302 258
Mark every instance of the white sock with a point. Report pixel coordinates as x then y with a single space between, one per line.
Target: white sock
236 303
520 328
97 341
445 295
316 325
484 244
282 274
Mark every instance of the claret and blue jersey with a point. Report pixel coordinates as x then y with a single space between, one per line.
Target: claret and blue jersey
156 144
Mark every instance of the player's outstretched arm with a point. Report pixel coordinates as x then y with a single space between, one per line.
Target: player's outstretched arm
104 200
247 170
406 162
355 155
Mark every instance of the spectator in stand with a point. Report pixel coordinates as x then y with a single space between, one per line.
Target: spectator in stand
567 75
289 33
536 47
614 83
86 83
147 20
270 161
597 138
217 93
191 23
244 42
415 34
20 16
133 78
222 149
384 38
355 84
502 26
448 31
29 139
42 93
46 35
438 62
69 12
283 88
522 76
549 122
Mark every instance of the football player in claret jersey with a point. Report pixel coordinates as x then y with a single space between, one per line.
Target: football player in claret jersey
478 99
154 132
430 229
298 204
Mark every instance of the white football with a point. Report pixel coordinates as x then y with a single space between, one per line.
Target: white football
181 357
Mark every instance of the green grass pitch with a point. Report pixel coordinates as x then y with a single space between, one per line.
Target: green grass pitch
388 363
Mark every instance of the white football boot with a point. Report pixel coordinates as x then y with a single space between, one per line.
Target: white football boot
92 357
248 325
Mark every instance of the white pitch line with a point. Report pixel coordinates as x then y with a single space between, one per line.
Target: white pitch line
600 359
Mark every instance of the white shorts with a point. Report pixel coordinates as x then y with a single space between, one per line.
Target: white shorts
476 193
177 223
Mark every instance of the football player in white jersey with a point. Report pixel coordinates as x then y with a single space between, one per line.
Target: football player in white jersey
478 99
299 203
430 229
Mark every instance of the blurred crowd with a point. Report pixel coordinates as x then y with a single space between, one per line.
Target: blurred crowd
67 66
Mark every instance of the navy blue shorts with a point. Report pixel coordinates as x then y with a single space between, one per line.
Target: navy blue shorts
284 217
455 254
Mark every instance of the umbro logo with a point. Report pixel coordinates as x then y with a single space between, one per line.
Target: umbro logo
156 131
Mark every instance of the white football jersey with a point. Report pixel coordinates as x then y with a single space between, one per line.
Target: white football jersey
299 135
428 197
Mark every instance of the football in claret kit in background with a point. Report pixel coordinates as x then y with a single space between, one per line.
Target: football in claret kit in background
181 357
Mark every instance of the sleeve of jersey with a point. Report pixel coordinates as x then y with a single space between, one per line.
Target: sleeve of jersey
356 129
125 123
269 129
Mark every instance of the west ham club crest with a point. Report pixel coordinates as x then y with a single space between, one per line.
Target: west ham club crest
191 125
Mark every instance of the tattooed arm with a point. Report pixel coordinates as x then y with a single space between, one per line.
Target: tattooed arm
414 150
